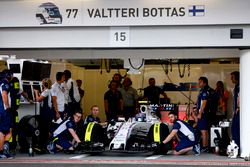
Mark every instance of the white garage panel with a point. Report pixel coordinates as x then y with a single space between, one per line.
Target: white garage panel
99 37
122 53
54 13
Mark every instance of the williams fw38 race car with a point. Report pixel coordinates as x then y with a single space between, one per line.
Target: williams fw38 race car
140 134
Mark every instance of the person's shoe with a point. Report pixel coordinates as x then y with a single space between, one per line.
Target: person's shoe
8 156
2 156
51 148
205 150
6 148
197 149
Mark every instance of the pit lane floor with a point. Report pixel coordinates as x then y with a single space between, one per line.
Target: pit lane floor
121 159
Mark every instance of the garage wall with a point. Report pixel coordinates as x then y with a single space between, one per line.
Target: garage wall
3 65
214 73
95 84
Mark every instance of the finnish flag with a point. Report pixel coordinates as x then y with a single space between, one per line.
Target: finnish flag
196 10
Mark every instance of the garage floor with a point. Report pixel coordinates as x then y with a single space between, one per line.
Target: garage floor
122 159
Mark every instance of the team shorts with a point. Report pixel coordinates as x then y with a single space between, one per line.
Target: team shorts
202 123
65 144
5 121
184 143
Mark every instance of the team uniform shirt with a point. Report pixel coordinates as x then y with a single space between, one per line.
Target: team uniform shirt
185 133
47 94
76 94
90 118
129 96
203 95
5 116
153 94
63 130
113 101
63 135
4 86
58 91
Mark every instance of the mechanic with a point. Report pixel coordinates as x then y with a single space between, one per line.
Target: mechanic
185 135
5 113
58 98
235 128
93 117
203 117
65 133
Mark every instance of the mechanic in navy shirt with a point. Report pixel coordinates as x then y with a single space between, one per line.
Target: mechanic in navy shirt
66 132
93 117
203 111
5 112
235 128
184 134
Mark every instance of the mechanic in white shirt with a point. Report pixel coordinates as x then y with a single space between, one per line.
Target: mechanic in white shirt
73 94
46 113
58 98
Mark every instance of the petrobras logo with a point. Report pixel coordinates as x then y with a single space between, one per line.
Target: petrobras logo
48 13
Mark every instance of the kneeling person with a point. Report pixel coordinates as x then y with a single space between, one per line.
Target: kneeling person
66 132
93 117
184 134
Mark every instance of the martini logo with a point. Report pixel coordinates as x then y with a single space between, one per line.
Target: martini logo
48 13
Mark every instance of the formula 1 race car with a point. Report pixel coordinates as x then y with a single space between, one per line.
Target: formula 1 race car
141 134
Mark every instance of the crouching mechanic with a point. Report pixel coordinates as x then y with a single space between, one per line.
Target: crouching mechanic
184 134
66 133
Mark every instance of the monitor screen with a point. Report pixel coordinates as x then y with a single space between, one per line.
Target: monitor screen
45 71
15 68
35 71
27 89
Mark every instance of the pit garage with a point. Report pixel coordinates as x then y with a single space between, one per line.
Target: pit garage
173 42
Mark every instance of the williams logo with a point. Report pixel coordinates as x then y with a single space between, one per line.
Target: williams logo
48 13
